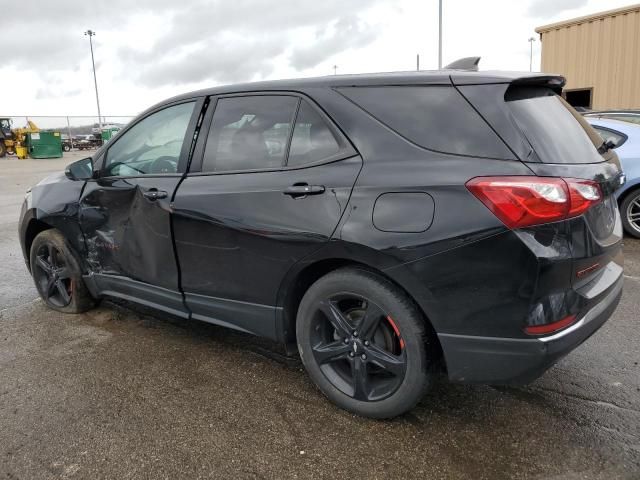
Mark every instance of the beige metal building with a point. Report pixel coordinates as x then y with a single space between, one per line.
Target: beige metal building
599 55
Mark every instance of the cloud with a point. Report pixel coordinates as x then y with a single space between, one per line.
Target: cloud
225 41
221 59
346 33
550 8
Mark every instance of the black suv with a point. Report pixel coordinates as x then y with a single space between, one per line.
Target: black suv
383 226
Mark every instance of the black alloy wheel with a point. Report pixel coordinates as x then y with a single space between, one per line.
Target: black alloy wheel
358 347
364 343
57 274
53 276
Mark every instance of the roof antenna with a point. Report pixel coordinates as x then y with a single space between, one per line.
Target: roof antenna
467 63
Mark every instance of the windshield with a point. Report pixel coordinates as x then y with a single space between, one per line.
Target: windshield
555 131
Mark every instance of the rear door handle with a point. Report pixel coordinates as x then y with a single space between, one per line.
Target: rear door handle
154 194
302 190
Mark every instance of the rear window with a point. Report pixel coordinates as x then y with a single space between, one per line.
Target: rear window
435 117
555 131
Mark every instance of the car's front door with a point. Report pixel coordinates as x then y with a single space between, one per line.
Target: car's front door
261 196
125 212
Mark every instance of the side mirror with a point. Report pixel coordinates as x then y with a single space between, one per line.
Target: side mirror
80 170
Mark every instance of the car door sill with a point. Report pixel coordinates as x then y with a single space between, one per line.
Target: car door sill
244 316
117 286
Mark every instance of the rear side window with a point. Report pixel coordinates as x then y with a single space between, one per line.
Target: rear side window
607 134
249 133
434 117
555 131
313 140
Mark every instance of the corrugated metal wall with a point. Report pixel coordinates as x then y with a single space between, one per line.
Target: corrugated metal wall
603 54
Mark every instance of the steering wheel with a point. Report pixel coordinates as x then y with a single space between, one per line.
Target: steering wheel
164 164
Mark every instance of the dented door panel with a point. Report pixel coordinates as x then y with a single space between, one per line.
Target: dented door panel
128 234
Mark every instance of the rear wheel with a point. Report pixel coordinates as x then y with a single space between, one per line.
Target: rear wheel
363 343
3 149
57 274
630 212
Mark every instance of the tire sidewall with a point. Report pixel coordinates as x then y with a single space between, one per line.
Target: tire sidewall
405 315
629 198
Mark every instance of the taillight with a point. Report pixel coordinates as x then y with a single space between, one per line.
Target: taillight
524 201
550 327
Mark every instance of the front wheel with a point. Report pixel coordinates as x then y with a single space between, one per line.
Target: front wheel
630 212
363 343
57 274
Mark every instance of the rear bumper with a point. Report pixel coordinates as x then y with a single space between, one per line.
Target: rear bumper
475 359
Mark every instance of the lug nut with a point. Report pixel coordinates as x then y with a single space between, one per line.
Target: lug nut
351 354
363 356
366 343
346 340
355 334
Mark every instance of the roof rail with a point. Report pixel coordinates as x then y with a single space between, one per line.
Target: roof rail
467 63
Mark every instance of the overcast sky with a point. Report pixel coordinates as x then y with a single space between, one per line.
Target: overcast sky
147 50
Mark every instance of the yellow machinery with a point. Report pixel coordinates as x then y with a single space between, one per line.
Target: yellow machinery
13 140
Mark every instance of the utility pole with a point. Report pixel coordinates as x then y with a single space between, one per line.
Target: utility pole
418 62
335 69
531 40
91 33
439 34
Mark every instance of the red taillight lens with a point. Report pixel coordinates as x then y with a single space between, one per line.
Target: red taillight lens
524 201
584 194
550 327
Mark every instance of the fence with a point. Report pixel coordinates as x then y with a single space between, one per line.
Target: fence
71 124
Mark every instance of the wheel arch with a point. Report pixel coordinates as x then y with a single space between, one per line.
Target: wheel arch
33 228
299 279
629 189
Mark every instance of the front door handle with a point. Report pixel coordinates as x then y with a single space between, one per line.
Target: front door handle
302 190
154 194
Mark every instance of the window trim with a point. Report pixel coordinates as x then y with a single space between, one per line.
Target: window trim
348 150
183 159
623 136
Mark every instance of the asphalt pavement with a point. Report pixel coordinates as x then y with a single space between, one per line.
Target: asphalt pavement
122 392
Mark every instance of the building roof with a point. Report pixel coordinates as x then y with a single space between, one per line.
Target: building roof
588 18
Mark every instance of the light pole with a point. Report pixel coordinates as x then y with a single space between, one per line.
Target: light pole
531 40
335 69
91 33
439 34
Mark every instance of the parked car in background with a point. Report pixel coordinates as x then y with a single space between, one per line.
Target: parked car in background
632 116
382 226
626 137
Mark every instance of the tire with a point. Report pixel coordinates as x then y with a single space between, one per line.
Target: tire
630 213
3 149
56 272
391 347
66 148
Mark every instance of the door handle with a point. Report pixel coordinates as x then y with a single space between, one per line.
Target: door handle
155 194
302 190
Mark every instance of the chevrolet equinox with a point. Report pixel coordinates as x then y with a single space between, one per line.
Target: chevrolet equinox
383 226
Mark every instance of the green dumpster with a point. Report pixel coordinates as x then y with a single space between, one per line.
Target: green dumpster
44 144
107 133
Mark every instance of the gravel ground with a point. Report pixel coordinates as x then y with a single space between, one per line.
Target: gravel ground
121 392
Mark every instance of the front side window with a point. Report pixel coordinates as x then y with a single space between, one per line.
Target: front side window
152 146
249 133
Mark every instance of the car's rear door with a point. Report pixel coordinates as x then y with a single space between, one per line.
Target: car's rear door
125 212
260 195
